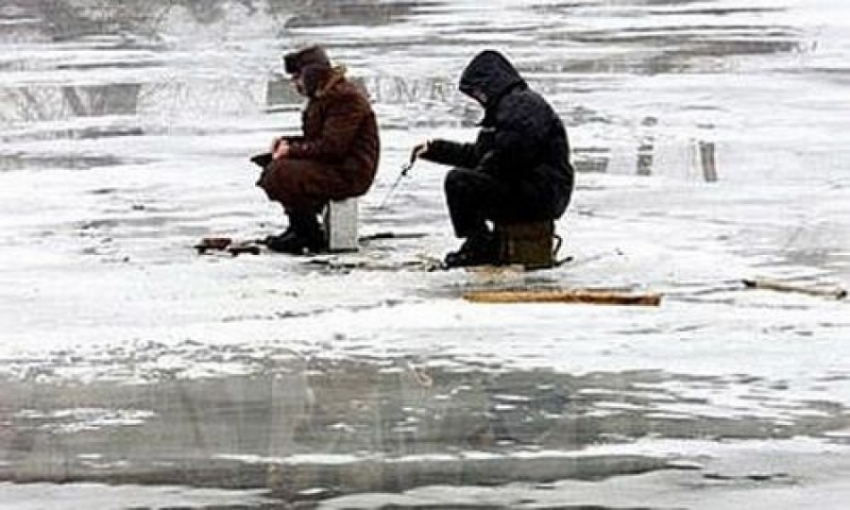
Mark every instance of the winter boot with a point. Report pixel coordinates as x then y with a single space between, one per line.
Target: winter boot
306 236
283 237
478 249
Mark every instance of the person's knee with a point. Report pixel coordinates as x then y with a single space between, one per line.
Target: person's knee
280 183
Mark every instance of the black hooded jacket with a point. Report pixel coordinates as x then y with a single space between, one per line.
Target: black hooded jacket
522 140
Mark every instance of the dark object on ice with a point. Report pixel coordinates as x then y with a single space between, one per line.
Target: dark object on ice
392 235
241 247
234 248
518 170
836 293
213 243
262 160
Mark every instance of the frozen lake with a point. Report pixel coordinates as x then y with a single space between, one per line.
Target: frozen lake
711 142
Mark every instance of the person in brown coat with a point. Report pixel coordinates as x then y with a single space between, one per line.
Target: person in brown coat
335 158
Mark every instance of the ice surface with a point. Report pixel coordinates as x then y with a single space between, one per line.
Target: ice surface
123 353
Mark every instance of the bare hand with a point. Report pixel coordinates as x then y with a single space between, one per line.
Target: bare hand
281 149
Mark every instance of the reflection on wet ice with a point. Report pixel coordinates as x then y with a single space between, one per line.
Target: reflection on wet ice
647 88
352 425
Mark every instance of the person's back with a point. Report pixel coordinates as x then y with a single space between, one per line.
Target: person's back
517 170
340 128
529 137
335 158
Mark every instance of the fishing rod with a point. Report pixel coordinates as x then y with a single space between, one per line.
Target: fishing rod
405 168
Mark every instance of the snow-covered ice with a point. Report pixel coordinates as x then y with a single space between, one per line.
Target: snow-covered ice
183 380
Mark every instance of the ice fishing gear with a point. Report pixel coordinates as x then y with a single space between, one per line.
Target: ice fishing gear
405 168
232 246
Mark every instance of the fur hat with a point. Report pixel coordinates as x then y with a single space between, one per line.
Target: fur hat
296 61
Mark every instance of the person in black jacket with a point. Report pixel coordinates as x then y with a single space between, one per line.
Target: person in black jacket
517 170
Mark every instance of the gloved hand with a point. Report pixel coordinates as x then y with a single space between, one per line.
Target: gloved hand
262 160
419 150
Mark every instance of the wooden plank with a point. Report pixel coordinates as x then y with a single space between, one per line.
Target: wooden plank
563 296
766 284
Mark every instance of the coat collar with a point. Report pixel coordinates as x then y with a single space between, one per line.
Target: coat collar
329 80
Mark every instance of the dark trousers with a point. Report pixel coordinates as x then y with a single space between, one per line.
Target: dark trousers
474 197
303 185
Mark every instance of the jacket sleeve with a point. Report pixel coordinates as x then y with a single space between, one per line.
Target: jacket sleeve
445 152
343 119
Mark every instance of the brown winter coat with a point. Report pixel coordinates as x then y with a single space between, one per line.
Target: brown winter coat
337 156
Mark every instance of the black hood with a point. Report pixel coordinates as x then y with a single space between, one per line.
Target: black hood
491 73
